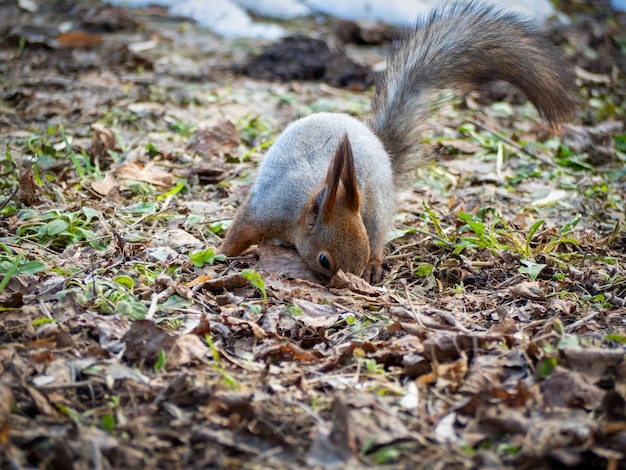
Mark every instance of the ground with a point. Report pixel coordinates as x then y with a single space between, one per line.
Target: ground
496 338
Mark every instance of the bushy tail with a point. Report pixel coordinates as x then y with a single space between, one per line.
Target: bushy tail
460 46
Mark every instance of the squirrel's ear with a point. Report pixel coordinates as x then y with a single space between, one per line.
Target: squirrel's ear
341 170
348 175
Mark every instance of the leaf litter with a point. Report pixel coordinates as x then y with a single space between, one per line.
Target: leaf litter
495 340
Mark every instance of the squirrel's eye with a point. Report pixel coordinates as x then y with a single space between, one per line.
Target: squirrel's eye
324 263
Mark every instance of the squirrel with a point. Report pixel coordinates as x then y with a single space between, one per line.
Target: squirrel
328 184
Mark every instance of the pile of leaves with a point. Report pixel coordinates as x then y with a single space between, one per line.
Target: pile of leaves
496 338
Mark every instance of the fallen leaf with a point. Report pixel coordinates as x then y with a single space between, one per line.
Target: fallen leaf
220 139
6 403
177 239
102 141
137 171
594 363
203 327
528 290
352 282
105 185
60 372
11 300
286 349
505 419
144 341
445 433
444 346
450 375
122 372
207 172
567 389
185 350
228 282
316 316
75 39
28 190
462 145
485 371
257 331
41 402
198 281
551 198
284 262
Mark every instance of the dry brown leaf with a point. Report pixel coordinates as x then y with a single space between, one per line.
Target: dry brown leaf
257 331
60 371
203 327
315 315
284 262
271 320
532 290
144 341
462 145
410 328
105 185
102 141
228 282
9 300
450 375
28 190
561 307
77 39
218 140
286 349
6 403
444 346
177 239
505 419
357 420
41 402
200 280
185 350
137 171
352 282
564 429
564 388
594 363
485 372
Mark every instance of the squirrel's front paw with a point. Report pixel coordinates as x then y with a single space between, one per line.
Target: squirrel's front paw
373 272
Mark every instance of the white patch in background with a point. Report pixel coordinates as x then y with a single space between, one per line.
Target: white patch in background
283 9
230 18
226 19
619 4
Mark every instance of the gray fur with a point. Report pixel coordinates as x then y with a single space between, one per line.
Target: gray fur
283 188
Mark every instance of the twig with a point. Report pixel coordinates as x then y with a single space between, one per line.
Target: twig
10 198
410 254
579 322
416 316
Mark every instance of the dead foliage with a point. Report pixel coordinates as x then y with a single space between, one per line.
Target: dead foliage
495 340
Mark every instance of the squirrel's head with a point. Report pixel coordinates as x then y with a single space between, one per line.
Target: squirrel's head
333 235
